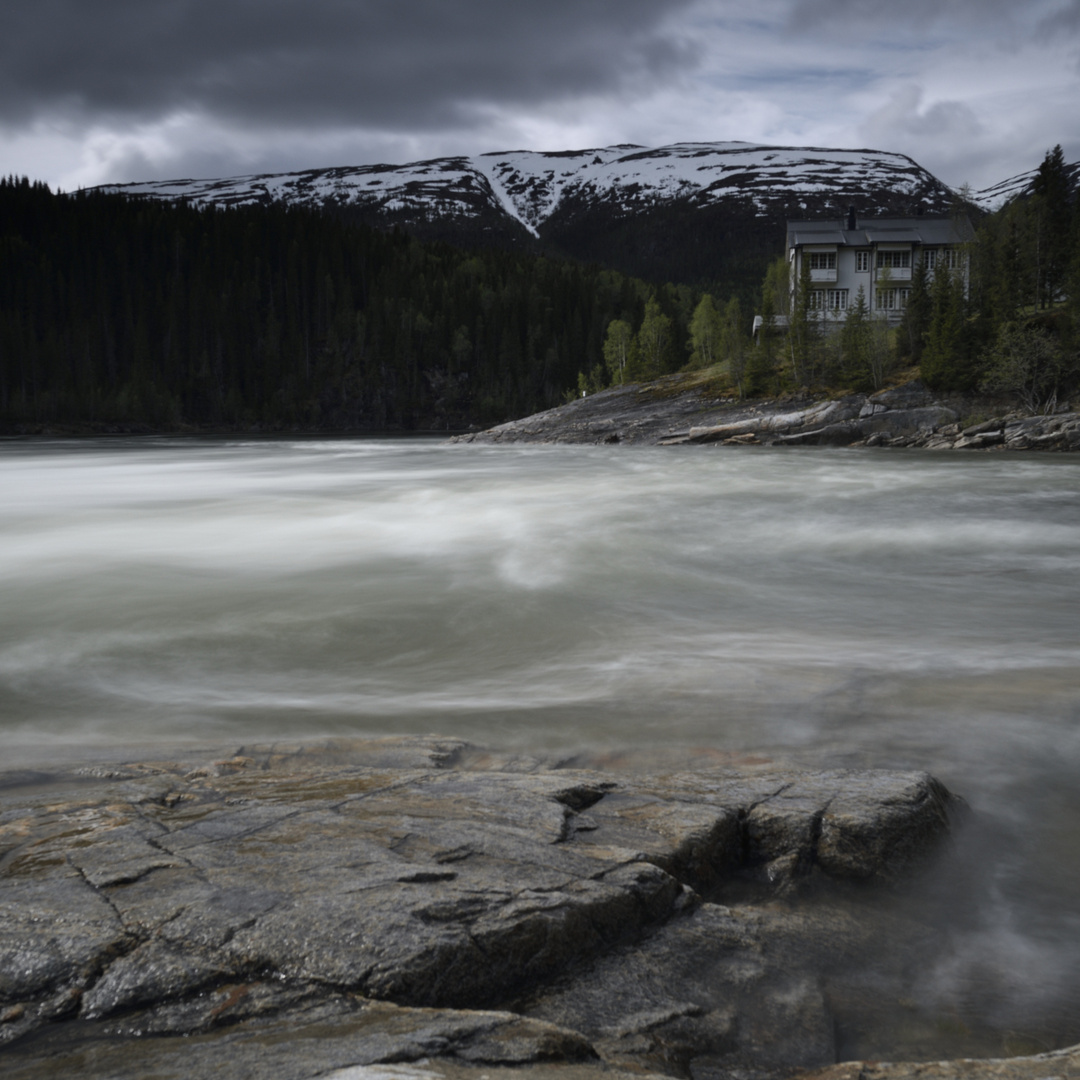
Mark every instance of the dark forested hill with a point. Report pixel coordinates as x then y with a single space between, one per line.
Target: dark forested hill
128 314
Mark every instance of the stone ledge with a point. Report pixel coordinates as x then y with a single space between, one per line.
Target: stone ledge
653 919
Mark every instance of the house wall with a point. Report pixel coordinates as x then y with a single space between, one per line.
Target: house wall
886 288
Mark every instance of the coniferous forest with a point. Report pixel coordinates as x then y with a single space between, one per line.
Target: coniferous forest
121 314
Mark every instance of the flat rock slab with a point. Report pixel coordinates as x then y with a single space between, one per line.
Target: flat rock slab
340 1039
200 896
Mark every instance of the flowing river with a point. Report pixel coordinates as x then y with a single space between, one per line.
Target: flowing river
863 608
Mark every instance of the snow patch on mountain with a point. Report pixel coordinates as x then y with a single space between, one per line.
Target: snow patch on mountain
995 196
531 186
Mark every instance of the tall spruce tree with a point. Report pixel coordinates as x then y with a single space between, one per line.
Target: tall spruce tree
945 360
1051 196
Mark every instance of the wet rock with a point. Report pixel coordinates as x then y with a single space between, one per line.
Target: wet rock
190 897
986 427
708 993
842 434
682 409
403 874
333 1037
911 421
759 991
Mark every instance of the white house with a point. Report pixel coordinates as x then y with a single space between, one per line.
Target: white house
877 254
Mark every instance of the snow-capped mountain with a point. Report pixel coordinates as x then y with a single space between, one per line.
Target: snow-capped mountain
691 212
1000 193
530 188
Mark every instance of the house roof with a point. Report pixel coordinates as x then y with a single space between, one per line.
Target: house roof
928 231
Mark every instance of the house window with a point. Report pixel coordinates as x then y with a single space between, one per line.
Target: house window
929 258
893 260
892 299
828 300
950 258
862 261
822 260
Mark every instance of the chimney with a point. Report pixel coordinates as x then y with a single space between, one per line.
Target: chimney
851 223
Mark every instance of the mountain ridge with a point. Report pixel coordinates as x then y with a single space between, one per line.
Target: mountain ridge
530 186
709 214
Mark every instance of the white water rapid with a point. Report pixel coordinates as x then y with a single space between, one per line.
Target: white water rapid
852 607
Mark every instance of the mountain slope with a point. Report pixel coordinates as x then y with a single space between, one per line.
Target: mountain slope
998 194
691 212
530 187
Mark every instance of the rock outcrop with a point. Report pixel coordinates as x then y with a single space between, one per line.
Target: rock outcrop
678 411
341 907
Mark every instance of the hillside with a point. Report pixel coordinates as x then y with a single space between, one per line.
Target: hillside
696 213
120 314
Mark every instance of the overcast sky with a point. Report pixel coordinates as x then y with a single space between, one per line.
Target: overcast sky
111 90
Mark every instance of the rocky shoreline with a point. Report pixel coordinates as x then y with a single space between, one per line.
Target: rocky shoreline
417 908
678 411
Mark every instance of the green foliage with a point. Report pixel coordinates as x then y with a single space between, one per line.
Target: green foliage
734 344
619 346
1052 209
866 349
762 371
916 320
1028 363
654 343
855 339
946 357
803 329
775 289
706 331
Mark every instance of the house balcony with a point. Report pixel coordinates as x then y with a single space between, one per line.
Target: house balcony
823 275
893 273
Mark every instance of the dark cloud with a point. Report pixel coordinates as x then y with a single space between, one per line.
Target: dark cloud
376 63
944 121
988 16
1065 19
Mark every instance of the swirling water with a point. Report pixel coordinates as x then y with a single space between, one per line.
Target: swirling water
872 608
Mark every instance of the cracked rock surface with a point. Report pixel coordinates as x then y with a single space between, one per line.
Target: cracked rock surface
417 900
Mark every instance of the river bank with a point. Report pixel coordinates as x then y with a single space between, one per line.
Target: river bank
685 409
318 910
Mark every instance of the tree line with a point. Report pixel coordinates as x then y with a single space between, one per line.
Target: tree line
132 314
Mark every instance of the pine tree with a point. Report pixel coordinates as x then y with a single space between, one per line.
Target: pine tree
945 362
1053 211
916 318
855 339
